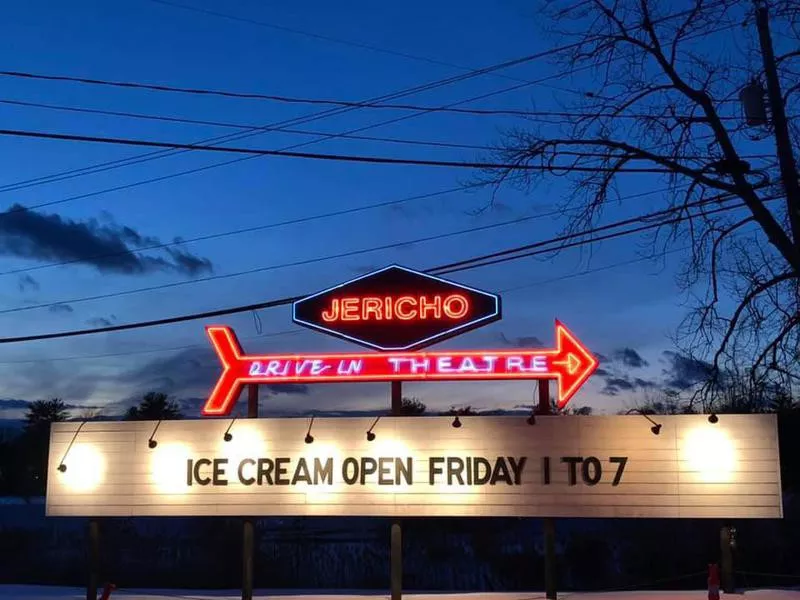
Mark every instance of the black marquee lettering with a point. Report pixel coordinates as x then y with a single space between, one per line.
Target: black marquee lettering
591 476
434 468
478 477
323 474
246 480
572 461
201 462
385 471
455 470
350 470
368 467
500 472
516 467
546 470
404 470
620 461
301 472
280 471
219 471
189 478
264 472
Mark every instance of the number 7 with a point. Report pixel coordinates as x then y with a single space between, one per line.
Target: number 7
621 461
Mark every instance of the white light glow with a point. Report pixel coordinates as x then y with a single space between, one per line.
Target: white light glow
168 468
85 468
246 442
710 453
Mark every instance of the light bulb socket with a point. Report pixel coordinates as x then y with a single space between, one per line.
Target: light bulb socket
309 438
151 443
370 436
713 418
656 429
62 467
456 422
531 420
227 437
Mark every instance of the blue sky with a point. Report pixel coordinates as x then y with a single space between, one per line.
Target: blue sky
634 307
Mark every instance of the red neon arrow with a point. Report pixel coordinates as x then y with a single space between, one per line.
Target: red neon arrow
569 363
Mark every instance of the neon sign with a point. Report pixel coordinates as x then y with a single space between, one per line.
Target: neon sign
396 308
404 308
569 363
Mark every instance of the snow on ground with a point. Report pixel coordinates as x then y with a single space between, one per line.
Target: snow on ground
32 592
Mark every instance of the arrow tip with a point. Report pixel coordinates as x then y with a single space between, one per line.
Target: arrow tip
577 364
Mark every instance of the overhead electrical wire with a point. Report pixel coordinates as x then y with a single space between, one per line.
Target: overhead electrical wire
324 114
352 103
383 160
277 224
476 262
510 290
100 167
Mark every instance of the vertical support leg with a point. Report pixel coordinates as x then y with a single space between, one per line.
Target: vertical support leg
549 525
397 561
248 527
396 548
726 560
550 590
94 560
247 560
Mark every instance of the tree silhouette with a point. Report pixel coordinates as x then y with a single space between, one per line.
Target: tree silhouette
42 413
154 406
463 411
660 96
412 407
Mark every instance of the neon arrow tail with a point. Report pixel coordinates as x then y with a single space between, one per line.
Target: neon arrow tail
569 363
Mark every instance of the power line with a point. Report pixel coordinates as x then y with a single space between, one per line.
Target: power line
149 156
462 265
513 289
345 103
385 160
295 263
266 226
331 112
100 167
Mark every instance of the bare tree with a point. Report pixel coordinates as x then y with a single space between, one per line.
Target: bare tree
666 79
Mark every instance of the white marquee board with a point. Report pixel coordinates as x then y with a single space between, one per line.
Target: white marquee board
562 466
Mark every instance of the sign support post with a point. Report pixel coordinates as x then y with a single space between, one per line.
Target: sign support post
94 559
396 547
549 524
726 559
248 533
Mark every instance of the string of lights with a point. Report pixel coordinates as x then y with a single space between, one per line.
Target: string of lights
476 261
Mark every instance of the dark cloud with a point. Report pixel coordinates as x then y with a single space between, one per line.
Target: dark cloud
101 321
525 341
630 358
615 385
601 357
26 283
108 248
60 309
600 372
684 372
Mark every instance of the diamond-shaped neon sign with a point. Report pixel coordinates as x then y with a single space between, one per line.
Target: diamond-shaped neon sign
396 308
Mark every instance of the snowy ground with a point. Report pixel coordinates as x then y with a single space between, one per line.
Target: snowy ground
26 592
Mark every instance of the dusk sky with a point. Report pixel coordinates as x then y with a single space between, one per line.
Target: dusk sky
626 312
